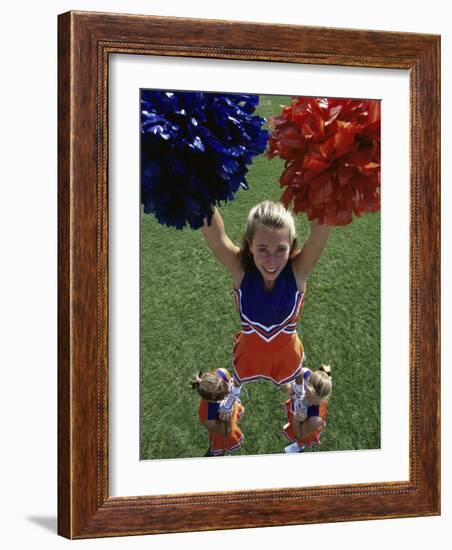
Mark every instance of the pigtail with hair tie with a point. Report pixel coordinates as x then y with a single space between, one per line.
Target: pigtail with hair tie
326 369
196 381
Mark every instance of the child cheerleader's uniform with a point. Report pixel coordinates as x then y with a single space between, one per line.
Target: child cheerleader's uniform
268 347
219 444
313 410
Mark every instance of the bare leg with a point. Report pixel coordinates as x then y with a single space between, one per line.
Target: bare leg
309 426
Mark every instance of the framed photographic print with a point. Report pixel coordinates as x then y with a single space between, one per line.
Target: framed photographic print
151 108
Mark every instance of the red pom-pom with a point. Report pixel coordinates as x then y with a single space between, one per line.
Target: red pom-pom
332 153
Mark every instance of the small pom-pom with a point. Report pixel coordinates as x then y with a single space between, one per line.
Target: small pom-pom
196 148
332 153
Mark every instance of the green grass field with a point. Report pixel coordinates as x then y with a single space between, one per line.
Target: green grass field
188 318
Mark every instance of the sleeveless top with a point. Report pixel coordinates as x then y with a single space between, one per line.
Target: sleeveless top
269 313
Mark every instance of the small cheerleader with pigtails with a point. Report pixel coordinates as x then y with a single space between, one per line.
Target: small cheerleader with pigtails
224 435
306 422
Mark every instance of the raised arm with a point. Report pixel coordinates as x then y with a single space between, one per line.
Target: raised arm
226 252
305 261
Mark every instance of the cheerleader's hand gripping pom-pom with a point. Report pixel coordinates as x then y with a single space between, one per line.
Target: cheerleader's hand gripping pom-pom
300 408
227 406
332 153
195 152
228 403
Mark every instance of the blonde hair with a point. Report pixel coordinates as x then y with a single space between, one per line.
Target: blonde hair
211 386
268 214
320 381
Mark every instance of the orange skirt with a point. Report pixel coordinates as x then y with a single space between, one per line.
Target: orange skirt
289 432
279 361
219 444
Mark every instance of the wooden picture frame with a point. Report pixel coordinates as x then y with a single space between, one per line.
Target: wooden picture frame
85 42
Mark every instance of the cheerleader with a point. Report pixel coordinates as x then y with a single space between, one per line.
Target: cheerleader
224 435
305 424
269 280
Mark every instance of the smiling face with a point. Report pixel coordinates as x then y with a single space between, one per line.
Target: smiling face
270 248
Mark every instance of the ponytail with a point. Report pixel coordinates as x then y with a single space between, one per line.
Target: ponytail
195 381
326 369
210 386
321 382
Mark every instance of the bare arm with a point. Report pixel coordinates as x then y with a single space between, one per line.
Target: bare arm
305 261
226 252
218 427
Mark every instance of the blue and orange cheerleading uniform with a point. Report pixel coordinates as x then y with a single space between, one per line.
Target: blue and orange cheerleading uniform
268 347
313 410
219 444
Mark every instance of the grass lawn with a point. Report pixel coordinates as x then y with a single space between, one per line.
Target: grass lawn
188 318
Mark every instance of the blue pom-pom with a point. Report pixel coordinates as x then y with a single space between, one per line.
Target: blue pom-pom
195 152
